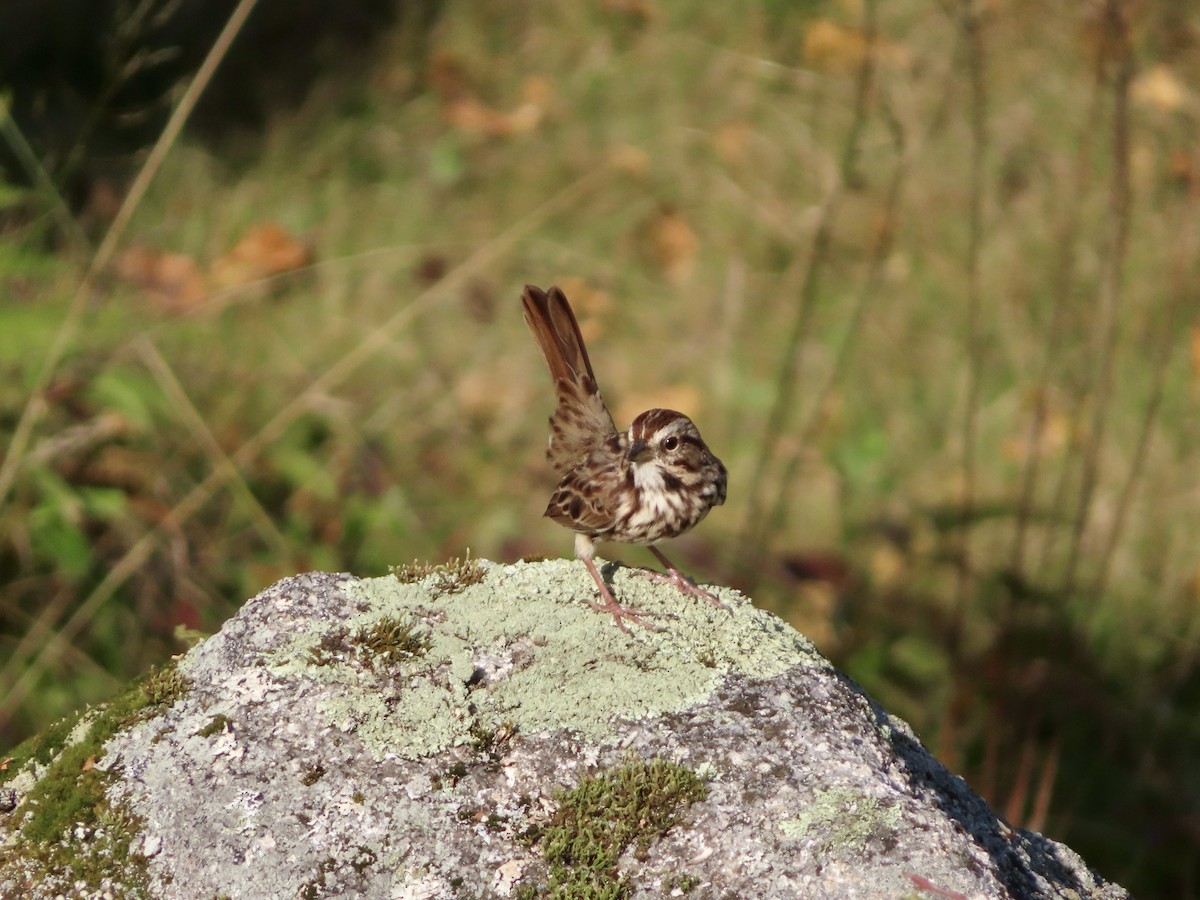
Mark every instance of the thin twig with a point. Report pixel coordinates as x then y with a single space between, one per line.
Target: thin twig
1045 786
42 181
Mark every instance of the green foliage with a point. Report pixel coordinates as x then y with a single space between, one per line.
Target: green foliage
161 688
41 748
130 394
54 523
72 790
12 196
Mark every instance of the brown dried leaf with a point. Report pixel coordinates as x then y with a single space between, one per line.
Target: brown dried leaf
674 245
730 142
469 114
1182 169
479 299
447 76
629 159
638 11
1160 88
431 269
172 281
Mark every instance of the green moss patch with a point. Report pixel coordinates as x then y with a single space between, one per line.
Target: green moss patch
216 725
389 640
449 577
68 797
40 749
604 816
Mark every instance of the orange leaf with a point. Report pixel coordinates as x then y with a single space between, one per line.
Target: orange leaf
834 48
629 159
447 75
265 250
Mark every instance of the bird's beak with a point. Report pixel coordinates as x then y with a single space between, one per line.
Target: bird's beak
638 451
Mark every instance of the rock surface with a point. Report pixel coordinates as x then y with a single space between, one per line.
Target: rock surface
477 731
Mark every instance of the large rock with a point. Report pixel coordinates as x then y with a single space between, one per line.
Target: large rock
478 731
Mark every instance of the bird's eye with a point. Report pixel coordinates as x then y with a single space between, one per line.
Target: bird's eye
671 443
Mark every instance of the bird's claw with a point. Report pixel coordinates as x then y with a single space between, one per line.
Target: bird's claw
619 612
685 585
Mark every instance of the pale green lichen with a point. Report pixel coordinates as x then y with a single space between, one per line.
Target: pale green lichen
844 818
570 668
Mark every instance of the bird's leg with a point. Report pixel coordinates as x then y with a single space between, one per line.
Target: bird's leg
585 550
615 609
681 581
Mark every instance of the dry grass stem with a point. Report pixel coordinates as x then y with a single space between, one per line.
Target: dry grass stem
1109 299
754 545
35 658
35 406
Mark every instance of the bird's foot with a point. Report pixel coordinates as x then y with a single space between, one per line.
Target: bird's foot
615 609
619 613
684 584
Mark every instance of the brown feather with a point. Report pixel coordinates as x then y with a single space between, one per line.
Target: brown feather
550 317
581 422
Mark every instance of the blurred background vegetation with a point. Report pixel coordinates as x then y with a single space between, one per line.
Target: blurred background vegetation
924 273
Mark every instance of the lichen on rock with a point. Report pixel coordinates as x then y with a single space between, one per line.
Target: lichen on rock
441 732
